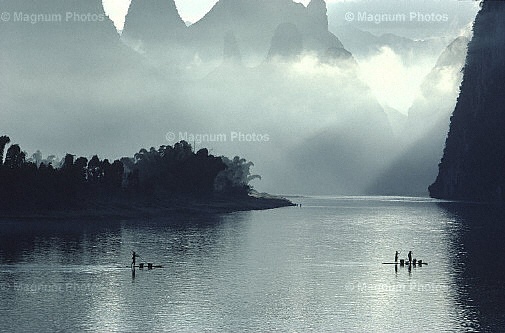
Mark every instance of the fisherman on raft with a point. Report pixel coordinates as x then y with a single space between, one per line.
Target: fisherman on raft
134 255
410 256
396 256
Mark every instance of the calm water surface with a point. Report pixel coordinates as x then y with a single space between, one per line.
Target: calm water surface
315 268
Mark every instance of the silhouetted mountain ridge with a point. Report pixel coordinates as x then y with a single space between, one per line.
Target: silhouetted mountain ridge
153 22
253 23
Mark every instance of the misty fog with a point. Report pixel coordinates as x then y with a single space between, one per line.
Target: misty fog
314 116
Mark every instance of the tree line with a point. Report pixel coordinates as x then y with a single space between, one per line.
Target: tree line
169 171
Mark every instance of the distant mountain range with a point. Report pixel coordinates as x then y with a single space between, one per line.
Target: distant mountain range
260 28
363 44
253 66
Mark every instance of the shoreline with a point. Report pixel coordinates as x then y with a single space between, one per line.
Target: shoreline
157 207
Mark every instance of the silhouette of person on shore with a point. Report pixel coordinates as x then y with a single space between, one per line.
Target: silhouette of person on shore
410 256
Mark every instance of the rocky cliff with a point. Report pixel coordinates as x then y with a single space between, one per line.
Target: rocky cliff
151 24
474 156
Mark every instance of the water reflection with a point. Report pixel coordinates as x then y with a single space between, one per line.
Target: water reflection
75 275
479 246
317 268
20 240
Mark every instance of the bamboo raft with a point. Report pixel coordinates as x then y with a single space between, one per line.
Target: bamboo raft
403 262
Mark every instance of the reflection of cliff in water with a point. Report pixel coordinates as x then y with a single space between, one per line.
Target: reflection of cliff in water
479 265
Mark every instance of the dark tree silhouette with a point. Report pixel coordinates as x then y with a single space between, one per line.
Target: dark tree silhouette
14 158
95 172
113 175
4 140
163 173
236 177
80 169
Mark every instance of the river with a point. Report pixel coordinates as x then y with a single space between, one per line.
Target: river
316 268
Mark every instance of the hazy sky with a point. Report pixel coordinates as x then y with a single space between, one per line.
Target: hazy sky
190 10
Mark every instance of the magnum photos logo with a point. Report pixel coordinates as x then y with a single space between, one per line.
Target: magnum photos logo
233 136
37 18
411 17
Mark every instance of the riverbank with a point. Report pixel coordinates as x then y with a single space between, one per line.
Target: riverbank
155 207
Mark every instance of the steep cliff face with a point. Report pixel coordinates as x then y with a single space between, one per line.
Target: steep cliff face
151 24
318 11
287 42
472 167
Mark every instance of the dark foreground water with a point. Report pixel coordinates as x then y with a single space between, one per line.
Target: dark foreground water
316 268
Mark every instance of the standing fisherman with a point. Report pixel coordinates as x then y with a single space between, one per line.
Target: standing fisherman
134 255
410 256
396 256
